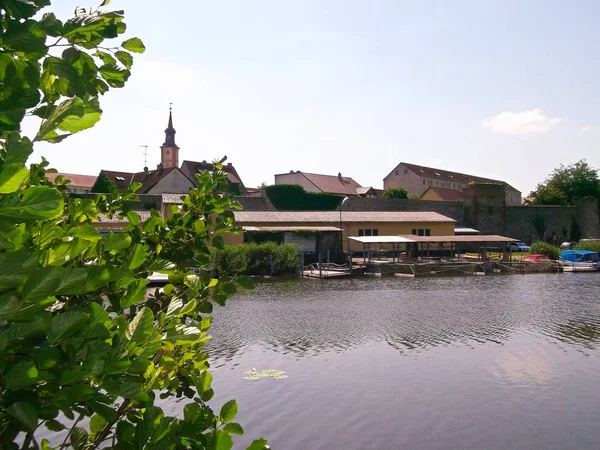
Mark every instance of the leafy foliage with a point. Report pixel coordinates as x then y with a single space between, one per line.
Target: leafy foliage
540 225
292 197
567 182
395 192
256 258
593 246
83 347
543 248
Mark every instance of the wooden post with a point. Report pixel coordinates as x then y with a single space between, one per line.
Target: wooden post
320 266
328 257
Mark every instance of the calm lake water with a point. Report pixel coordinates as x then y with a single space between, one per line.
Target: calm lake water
466 362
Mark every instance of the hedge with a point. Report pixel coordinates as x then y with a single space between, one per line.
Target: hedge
544 248
593 246
253 259
293 197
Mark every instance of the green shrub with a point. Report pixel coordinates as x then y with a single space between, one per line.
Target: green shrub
395 192
293 197
253 259
593 246
544 248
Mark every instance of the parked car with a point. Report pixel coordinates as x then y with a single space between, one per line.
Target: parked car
518 247
567 245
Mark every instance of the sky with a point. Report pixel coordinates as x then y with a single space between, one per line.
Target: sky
501 89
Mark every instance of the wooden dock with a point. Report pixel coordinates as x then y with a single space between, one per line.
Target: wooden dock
325 273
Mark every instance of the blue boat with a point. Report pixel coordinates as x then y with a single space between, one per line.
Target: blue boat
579 261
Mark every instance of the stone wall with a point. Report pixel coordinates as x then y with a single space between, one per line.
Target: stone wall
454 210
521 222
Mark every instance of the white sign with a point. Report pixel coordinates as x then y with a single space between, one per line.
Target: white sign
306 244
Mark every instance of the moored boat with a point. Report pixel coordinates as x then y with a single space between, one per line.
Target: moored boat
579 261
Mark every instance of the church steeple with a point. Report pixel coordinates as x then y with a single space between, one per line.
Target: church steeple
169 151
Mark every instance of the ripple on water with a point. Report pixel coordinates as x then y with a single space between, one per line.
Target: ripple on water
461 362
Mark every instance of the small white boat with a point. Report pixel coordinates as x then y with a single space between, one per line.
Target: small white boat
579 261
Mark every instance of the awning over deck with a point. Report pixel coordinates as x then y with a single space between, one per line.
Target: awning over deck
411 238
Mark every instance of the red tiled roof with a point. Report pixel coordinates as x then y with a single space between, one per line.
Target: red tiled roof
333 184
189 168
450 195
447 175
85 181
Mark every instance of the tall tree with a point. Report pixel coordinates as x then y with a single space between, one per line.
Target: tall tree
565 183
84 348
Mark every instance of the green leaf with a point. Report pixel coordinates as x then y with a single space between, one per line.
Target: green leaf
234 428
116 241
182 334
228 411
174 307
138 256
12 177
21 375
37 203
205 323
141 325
221 441
85 232
125 58
71 282
97 422
99 314
188 308
134 45
9 306
245 281
64 324
79 438
133 218
126 387
135 293
258 444
113 75
20 9
41 284
25 414
72 115
54 425
104 411
204 381
218 243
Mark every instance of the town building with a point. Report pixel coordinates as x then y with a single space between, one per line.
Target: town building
330 184
352 223
438 194
417 179
80 184
167 177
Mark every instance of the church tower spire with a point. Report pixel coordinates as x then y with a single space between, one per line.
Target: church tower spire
169 152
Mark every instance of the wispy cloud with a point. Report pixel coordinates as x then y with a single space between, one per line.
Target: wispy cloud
534 121
586 129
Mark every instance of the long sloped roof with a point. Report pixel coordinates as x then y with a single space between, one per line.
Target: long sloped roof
77 180
447 175
291 217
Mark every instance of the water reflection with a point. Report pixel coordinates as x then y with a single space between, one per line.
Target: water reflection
309 317
474 362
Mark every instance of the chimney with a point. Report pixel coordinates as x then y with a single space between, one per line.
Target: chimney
340 177
146 169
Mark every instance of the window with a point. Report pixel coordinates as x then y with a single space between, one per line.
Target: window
368 232
421 231
397 172
430 182
423 180
405 171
